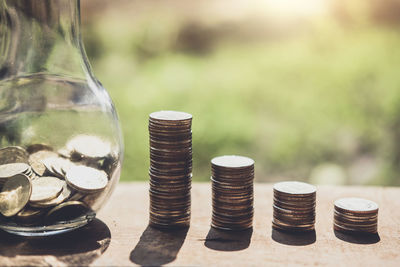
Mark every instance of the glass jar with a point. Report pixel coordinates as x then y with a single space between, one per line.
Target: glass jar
61 143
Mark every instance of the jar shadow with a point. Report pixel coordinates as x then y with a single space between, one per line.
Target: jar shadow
79 247
224 240
294 238
158 246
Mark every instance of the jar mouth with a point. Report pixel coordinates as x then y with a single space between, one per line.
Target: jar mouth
47 230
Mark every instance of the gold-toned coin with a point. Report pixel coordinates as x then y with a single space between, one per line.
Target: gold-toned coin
15 195
65 194
46 188
36 160
90 146
13 154
29 215
67 211
86 179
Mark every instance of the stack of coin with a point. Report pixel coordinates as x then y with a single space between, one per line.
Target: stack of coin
294 206
232 192
39 186
170 168
355 215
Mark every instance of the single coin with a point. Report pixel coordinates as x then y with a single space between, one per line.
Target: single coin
356 205
13 154
89 146
168 115
15 195
295 188
67 211
46 188
86 179
232 161
11 169
65 194
37 159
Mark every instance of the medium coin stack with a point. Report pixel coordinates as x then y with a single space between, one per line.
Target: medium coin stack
39 186
170 168
355 215
232 192
294 206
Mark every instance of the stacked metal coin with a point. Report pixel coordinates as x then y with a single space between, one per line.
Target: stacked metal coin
232 192
39 186
294 206
355 215
170 168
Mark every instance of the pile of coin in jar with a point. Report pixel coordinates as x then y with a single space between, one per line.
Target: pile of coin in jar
40 186
294 206
232 192
354 215
170 168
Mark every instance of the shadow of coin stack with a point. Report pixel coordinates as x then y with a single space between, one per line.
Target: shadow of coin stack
232 192
294 206
355 215
170 168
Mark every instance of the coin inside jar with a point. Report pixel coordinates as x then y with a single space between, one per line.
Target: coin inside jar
46 188
86 179
11 169
89 146
13 154
64 195
37 159
15 195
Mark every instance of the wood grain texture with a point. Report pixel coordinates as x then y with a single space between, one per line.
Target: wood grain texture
121 236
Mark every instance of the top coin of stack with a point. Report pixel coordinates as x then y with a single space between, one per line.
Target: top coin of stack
355 215
294 206
232 192
170 168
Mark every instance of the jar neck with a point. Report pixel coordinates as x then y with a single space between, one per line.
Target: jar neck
41 36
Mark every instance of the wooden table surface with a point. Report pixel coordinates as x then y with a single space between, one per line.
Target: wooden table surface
120 236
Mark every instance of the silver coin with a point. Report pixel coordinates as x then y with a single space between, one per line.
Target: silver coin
86 179
357 205
89 146
295 188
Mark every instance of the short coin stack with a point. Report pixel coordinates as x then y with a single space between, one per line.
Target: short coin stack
355 215
232 192
170 168
294 206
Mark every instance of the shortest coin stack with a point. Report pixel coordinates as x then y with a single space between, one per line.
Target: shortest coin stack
232 192
355 215
294 206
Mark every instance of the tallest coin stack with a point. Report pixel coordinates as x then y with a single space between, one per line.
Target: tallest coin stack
170 168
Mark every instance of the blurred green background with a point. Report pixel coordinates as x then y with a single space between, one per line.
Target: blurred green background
310 89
